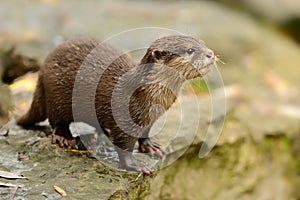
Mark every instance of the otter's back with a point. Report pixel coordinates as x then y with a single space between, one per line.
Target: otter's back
61 70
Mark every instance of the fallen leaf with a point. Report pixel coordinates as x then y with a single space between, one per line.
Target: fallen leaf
60 191
9 185
77 151
10 175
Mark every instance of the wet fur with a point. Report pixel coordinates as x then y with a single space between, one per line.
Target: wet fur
53 96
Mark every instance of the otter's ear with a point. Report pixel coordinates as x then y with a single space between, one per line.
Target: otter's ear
159 55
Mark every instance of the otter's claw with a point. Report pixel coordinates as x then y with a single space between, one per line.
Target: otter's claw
139 167
131 164
64 142
152 148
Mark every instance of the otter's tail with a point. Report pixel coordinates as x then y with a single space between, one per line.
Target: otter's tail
37 111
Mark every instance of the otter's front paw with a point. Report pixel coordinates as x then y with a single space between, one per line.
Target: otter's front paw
129 163
151 148
138 167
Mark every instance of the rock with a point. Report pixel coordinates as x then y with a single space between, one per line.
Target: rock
282 14
48 165
257 154
244 170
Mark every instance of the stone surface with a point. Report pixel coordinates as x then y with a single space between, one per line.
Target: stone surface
47 165
258 153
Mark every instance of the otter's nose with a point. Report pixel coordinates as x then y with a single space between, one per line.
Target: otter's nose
210 54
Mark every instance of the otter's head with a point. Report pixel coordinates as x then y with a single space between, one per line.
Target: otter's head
190 57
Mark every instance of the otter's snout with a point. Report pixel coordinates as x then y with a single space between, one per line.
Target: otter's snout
210 57
210 54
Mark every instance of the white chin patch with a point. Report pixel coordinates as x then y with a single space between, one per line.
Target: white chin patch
206 69
207 60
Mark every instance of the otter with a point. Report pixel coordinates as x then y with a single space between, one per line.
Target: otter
128 96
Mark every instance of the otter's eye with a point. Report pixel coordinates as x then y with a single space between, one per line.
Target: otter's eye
190 51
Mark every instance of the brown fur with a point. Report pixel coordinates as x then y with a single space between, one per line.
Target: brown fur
158 85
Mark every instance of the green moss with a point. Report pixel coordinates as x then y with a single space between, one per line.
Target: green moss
243 167
171 173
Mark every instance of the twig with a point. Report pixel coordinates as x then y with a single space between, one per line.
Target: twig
13 192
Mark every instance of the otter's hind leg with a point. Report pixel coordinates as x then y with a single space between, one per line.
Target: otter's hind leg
62 135
148 146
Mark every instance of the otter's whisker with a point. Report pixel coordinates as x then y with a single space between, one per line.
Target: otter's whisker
218 60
